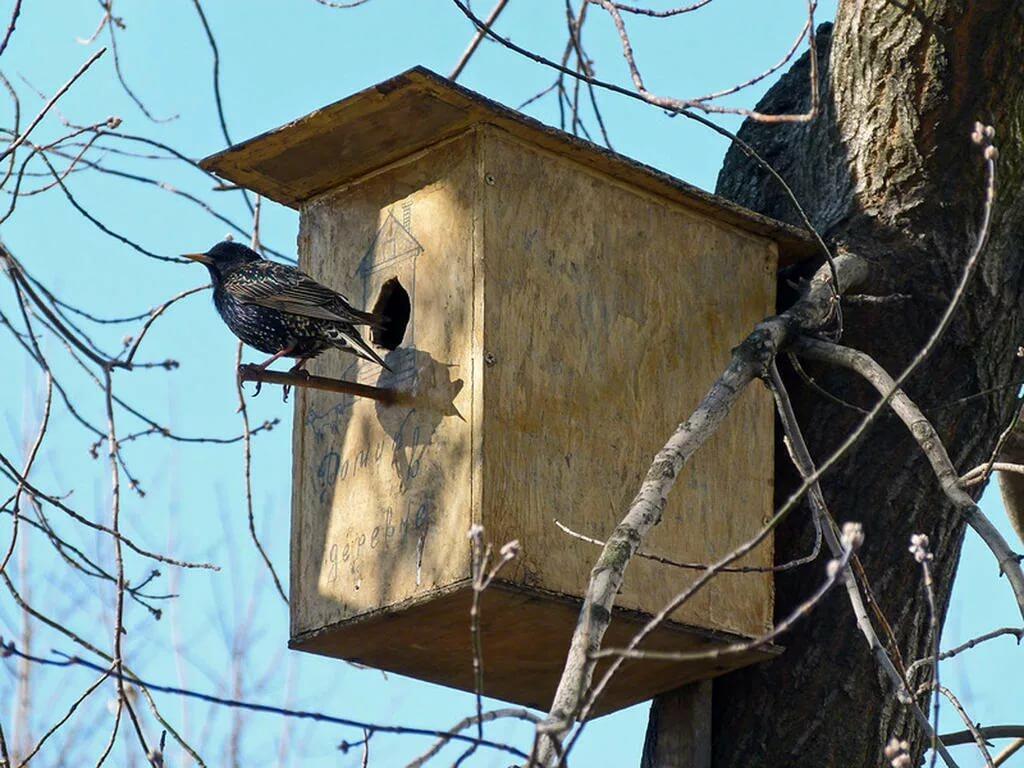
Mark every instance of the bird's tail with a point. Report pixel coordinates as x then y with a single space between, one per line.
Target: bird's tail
349 338
373 319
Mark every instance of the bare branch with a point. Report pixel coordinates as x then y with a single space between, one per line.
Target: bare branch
247 443
927 438
477 38
65 661
1017 632
485 717
748 361
19 140
1009 751
10 26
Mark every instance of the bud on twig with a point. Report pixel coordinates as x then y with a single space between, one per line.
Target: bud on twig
919 548
898 753
510 550
853 535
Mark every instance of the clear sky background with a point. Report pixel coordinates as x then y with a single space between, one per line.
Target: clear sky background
281 59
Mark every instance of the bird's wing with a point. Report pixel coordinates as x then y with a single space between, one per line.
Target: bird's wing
287 289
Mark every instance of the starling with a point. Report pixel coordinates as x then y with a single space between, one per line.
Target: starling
281 310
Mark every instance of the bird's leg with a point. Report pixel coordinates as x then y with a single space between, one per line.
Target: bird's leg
298 368
265 364
276 356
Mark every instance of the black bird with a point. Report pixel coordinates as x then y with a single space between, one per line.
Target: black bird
281 310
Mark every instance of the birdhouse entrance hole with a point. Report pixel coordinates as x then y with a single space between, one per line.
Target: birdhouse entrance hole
394 306
553 308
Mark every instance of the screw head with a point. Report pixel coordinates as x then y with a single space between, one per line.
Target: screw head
490 359
489 178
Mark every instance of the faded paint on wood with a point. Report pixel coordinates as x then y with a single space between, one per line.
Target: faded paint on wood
609 314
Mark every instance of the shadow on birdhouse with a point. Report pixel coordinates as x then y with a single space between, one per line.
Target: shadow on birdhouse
552 310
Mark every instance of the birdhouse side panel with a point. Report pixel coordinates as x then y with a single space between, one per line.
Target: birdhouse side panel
383 495
608 313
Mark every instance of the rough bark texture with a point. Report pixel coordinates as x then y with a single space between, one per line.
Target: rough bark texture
889 170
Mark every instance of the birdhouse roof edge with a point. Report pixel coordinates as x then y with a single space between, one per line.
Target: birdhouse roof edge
275 162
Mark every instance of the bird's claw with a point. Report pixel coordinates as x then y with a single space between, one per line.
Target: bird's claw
296 370
240 381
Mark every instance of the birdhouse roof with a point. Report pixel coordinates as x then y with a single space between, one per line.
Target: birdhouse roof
366 131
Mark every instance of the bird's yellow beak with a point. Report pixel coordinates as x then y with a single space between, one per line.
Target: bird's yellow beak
202 258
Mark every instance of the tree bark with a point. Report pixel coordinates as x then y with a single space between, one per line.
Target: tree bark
887 169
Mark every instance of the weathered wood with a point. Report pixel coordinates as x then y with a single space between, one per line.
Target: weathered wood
562 314
338 386
525 633
679 729
596 353
342 142
383 497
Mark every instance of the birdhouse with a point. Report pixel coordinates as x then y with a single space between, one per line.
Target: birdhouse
564 308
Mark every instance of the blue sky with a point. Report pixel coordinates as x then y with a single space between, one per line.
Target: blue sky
280 60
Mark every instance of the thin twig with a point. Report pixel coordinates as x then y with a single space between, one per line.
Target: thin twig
1009 751
1017 632
926 436
796 563
53 100
247 443
833 575
29 461
64 660
28 758
988 732
495 714
975 731
477 38
10 26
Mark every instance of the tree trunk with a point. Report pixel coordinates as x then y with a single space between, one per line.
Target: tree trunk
888 169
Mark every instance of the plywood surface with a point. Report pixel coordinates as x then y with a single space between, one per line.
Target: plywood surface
382 495
525 637
342 141
609 314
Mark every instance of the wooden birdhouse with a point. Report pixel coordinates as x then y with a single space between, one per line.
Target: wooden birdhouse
566 308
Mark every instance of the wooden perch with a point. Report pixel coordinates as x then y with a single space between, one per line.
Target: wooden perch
380 394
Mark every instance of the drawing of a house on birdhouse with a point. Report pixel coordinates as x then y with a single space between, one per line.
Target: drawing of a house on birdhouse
565 306
392 256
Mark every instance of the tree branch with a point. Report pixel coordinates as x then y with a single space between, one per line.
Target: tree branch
928 439
748 362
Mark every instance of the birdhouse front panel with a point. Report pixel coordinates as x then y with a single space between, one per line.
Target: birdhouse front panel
383 496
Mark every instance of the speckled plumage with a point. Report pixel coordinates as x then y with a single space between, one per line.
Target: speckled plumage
279 309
